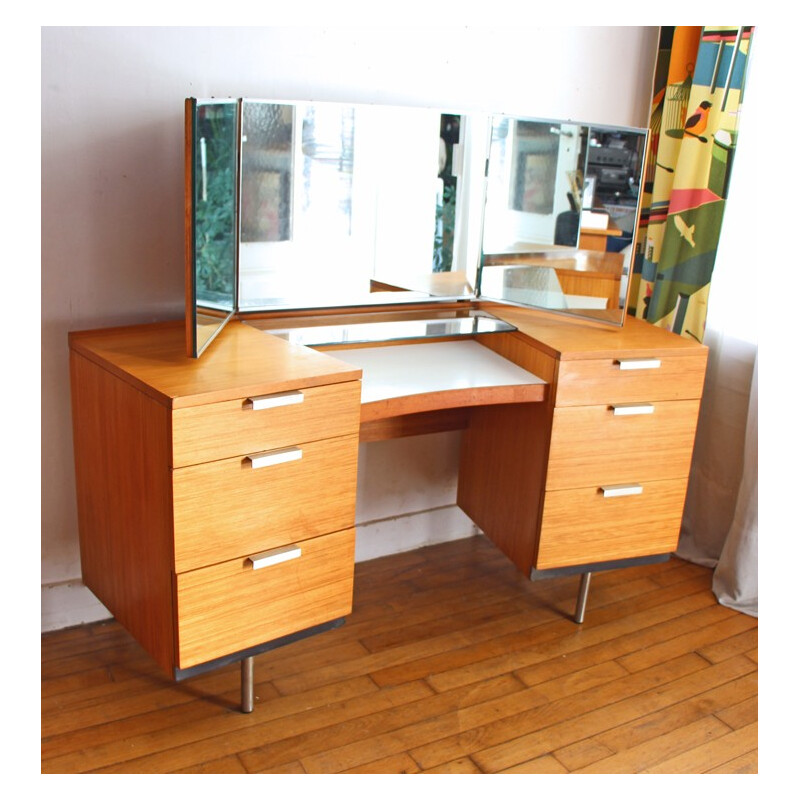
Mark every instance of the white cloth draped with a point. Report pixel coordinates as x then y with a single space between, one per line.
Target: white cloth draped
720 523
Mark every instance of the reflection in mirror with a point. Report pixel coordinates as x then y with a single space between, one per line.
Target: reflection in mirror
299 237
267 173
212 189
366 329
322 205
351 205
561 208
532 184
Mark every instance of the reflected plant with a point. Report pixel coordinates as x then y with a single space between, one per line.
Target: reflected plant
215 193
445 229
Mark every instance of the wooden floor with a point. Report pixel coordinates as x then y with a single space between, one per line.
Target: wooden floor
451 662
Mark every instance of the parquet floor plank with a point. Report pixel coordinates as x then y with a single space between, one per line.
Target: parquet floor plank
451 663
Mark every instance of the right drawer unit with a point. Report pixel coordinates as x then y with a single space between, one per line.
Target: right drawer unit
620 451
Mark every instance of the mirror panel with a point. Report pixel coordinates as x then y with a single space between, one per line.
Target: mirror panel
562 203
350 205
212 190
295 206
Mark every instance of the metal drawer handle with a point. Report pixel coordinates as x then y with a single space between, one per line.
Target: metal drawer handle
273 457
621 490
639 363
277 556
632 409
276 400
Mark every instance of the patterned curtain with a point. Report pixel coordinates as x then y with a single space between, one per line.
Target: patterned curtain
697 99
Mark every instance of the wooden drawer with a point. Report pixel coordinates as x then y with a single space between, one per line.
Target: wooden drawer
229 508
609 381
581 526
234 427
594 445
232 606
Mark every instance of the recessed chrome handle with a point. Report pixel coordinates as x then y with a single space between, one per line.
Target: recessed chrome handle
622 490
276 556
632 409
276 400
273 457
639 363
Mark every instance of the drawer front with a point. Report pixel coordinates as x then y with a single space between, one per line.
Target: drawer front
594 445
644 379
581 526
235 427
232 606
229 508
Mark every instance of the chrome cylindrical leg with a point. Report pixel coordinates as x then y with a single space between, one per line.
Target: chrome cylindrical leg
583 594
247 684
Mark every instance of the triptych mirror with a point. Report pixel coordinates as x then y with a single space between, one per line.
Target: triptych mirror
296 206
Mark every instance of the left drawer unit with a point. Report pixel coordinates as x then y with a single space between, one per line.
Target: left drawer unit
216 496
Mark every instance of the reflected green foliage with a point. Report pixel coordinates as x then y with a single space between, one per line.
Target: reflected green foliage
215 193
444 236
445 229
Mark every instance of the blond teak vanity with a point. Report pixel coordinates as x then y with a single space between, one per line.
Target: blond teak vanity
216 495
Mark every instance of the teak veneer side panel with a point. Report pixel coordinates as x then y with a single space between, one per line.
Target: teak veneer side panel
241 361
504 456
121 440
501 475
520 350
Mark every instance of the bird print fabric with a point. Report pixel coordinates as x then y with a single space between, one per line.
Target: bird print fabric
697 101
698 122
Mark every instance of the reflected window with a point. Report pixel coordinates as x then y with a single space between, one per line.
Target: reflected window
267 147
297 179
327 170
535 170
533 184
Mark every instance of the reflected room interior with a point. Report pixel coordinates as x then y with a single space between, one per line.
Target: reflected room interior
300 206
562 204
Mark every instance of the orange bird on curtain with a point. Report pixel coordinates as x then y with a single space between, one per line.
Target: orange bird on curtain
696 124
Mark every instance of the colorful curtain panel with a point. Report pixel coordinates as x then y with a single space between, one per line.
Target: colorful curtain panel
698 93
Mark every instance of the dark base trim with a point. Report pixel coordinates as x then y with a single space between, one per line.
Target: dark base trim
599 566
223 661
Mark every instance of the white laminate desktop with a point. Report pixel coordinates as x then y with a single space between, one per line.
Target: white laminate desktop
397 371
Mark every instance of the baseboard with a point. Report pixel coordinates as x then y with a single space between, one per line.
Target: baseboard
410 531
65 605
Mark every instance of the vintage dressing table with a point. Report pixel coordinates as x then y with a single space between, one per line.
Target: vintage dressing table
216 494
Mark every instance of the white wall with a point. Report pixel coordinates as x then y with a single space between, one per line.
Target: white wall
112 201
